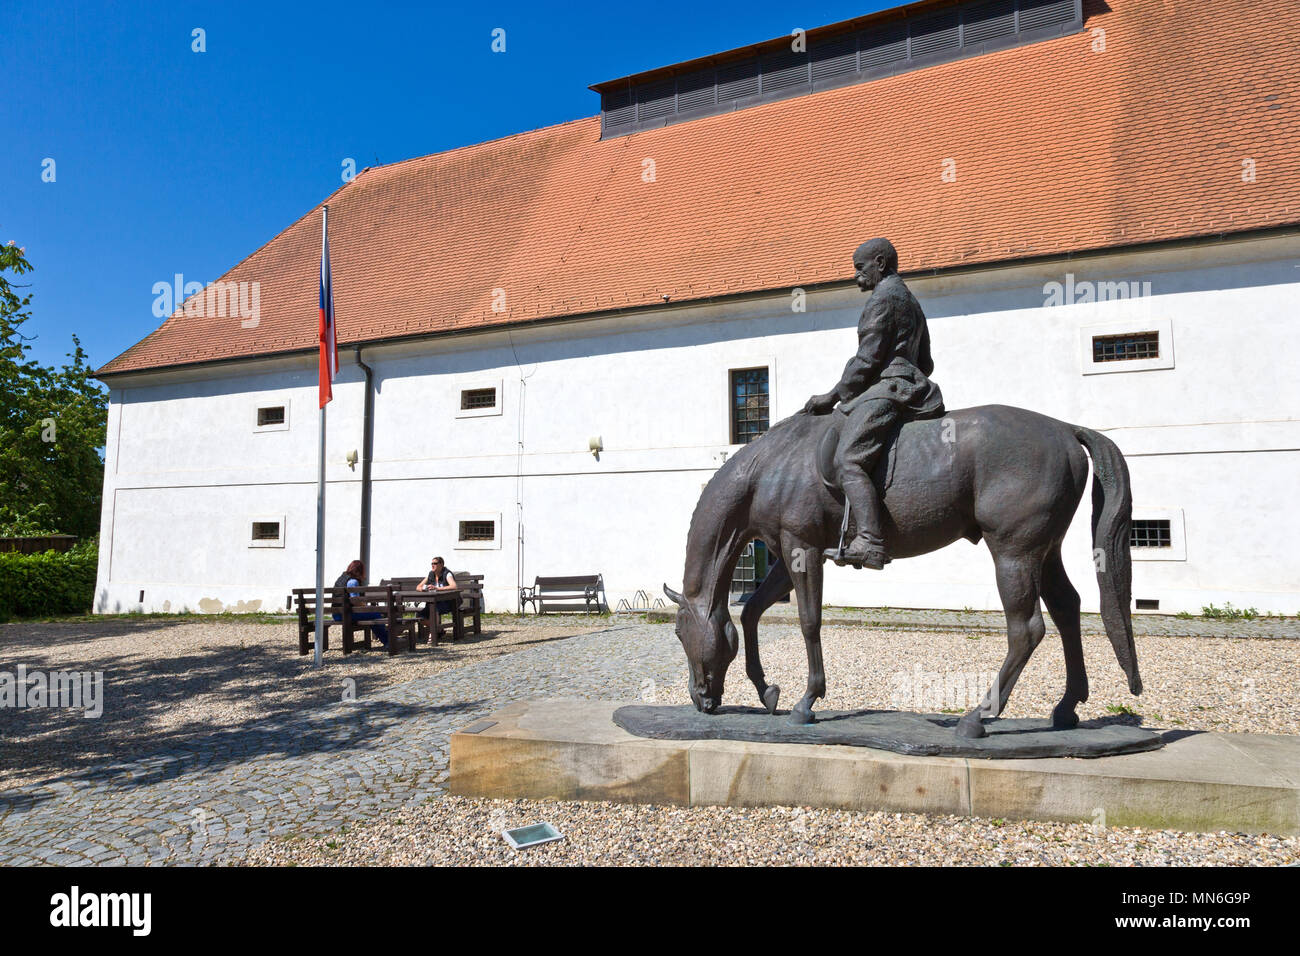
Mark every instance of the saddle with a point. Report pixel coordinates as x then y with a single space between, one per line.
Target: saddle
828 470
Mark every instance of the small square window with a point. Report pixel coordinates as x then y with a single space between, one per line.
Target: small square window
1151 533
475 398
478 531
266 531
480 397
270 416
1125 348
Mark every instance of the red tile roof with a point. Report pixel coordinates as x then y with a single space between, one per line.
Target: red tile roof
1057 148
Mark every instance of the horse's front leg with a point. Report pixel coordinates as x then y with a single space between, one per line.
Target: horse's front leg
805 564
771 589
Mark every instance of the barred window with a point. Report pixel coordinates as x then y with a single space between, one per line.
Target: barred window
270 416
1150 533
1120 348
478 531
478 398
749 404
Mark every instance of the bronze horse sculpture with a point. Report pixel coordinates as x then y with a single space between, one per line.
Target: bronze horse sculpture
1006 475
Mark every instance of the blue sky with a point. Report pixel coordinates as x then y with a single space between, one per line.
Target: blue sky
167 160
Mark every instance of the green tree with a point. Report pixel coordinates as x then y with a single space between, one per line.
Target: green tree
52 425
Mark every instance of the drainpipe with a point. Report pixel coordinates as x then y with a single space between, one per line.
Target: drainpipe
367 446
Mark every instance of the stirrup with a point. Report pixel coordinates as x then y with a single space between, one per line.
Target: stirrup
874 559
837 556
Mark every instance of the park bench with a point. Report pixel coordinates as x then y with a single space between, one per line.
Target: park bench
579 592
470 609
379 599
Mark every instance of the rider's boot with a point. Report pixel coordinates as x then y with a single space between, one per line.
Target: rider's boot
867 549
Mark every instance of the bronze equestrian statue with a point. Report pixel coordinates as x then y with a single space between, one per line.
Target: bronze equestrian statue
1006 475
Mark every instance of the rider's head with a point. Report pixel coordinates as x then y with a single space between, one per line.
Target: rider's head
874 259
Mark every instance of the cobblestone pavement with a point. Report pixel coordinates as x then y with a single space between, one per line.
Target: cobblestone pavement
317 770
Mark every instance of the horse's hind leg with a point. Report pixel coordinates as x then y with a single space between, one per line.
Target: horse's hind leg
771 589
1019 577
1062 602
808 589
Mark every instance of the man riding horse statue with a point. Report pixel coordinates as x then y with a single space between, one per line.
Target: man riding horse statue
885 384
911 483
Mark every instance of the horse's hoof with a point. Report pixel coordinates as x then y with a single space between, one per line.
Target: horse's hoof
770 697
971 728
1064 719
801 716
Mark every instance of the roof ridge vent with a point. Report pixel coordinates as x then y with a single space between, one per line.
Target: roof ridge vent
853 51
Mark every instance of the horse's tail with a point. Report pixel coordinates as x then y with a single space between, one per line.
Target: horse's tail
1112 516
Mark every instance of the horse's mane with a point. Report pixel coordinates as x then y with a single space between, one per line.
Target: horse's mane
733 481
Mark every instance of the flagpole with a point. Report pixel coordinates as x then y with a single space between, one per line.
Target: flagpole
320 495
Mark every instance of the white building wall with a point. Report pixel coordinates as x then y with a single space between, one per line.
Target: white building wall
1212 440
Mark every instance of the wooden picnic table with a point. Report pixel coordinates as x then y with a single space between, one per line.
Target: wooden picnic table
427 598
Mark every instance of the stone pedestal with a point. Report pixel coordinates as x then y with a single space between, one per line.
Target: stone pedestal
573 750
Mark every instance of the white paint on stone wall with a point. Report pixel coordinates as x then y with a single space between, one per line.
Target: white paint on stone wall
1214 437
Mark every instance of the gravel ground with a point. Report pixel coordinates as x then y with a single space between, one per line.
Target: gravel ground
168 683
1206 683
1159 625
1202 683
454 831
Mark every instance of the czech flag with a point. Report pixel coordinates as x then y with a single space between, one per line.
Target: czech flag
329 346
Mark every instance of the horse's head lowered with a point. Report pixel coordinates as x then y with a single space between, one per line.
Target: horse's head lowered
710 641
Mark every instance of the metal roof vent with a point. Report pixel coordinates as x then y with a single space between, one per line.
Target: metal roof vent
853 51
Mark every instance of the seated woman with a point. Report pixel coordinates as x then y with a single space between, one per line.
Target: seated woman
355 577
438 579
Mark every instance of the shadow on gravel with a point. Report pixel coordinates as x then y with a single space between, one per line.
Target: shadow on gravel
14 635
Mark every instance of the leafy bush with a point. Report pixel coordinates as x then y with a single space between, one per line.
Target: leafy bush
36 585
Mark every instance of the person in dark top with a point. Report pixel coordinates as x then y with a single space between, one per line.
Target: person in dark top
438 579
355 577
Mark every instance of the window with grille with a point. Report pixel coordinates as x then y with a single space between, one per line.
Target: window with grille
266 531
273 415
749 404
478 531
1151 533
1120 348
472 398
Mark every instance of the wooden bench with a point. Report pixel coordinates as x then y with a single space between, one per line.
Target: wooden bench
471 600
470 609
369 599
580 592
